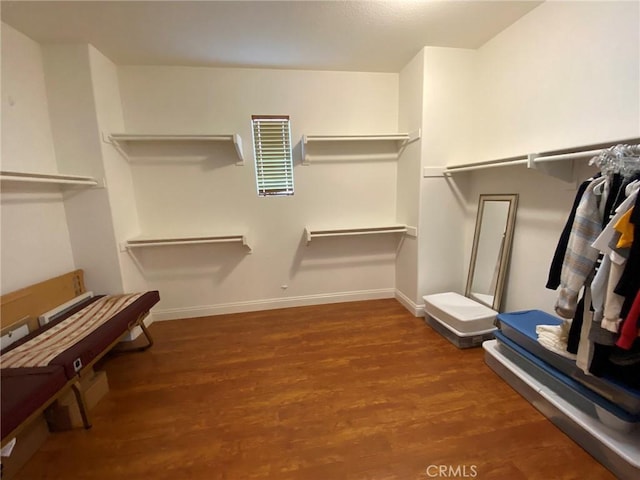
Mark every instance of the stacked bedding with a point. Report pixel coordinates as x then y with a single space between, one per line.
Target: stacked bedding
520 328
600 413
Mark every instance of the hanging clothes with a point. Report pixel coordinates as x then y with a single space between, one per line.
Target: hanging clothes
615 259
580 257
629 283
630 327
625 228
600 251
553 280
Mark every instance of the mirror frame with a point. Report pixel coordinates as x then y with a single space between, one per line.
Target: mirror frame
512 198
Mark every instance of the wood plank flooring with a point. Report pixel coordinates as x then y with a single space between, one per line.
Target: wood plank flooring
360 391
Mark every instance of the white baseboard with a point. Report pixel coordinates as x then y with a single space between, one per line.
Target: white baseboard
271 304
415 309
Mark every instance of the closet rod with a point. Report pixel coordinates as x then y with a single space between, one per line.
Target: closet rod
566 156
549 156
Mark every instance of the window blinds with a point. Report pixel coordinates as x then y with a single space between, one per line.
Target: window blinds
272 151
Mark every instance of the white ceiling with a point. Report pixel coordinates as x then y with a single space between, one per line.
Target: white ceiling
377 36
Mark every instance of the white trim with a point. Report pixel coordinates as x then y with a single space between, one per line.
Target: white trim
433 172
160 315
417 310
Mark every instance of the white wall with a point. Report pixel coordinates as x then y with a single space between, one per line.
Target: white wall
117 171
565 75
27 143
77 140
35 241
408 183
448 123
543 207
186 190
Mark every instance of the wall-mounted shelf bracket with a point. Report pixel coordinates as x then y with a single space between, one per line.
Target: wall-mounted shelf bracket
550 165
433 172
414 135
237 143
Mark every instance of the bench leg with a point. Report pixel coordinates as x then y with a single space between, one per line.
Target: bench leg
147 334
82 404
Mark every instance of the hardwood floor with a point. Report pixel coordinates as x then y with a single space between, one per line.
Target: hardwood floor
358 390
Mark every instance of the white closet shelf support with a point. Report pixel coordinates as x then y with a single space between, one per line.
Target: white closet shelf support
468 167
141 242
51 178
311 233
401 139
118 139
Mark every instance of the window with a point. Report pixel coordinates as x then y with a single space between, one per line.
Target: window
272 151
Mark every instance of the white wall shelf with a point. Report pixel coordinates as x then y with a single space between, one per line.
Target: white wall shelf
160 241
48 178
311 233
401 140
118 140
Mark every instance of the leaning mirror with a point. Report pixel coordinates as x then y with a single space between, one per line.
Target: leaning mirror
492 240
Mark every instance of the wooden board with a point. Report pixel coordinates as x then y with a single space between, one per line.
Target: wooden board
32 301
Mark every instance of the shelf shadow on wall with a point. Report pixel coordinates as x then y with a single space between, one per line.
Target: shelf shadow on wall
345 251
211 155
43 193
18 195
350 152
171 262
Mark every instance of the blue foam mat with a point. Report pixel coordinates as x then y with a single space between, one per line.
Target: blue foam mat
568 381
525 323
